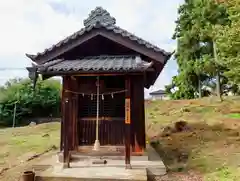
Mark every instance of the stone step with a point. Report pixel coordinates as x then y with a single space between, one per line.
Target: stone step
40 168
83 169
156 171
153 156
80 157
93 174
38 178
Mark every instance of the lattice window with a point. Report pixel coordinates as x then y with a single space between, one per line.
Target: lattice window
109 106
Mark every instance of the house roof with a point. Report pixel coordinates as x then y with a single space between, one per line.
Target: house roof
100 19
158 92
96 64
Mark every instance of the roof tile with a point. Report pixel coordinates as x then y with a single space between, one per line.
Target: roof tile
97 63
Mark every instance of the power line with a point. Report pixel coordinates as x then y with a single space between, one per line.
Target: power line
9 68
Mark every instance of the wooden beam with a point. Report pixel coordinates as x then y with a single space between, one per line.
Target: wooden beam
127 123
93 73
104 74
102 118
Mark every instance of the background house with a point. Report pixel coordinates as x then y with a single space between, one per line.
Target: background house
159 95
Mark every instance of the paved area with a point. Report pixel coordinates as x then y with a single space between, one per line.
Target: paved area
84 169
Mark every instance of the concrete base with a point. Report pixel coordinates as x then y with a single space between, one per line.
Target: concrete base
128 166
96 145
96 173
66 165
84 169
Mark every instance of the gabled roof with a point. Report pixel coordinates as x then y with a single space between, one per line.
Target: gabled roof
95 64
99 19
158 92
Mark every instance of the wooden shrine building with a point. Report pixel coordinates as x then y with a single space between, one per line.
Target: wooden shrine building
104 70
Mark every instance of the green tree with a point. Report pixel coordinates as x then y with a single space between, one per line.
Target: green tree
44 101
195 55
228 42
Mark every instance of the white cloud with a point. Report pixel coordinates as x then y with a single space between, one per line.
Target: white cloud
29 26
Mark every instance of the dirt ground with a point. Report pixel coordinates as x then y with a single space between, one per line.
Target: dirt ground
209 147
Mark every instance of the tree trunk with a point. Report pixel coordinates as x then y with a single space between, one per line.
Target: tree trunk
199 87
218 83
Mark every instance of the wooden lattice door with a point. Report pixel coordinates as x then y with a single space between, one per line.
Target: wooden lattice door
111 121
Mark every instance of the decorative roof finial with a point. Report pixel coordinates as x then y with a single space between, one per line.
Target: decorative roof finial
99 15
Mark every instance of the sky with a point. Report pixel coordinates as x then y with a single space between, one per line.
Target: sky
30 26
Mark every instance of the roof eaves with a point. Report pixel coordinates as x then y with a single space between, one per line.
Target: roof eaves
32 57
108 27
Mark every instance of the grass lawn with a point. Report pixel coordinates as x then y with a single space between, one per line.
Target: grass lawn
19 144
208 150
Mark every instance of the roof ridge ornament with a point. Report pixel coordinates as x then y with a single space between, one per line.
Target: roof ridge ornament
99 15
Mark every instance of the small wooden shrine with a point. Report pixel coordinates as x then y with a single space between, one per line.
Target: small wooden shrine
104 70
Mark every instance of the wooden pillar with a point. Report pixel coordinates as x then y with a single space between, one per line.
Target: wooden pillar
137 115
75 117
62 110
141 116
127 123
74 113
61 136
66 123
66 155
77 112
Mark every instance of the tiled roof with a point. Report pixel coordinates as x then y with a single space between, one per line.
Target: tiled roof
100 18
97 63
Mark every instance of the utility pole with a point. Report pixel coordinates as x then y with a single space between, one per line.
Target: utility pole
15 110
14 114
218 86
